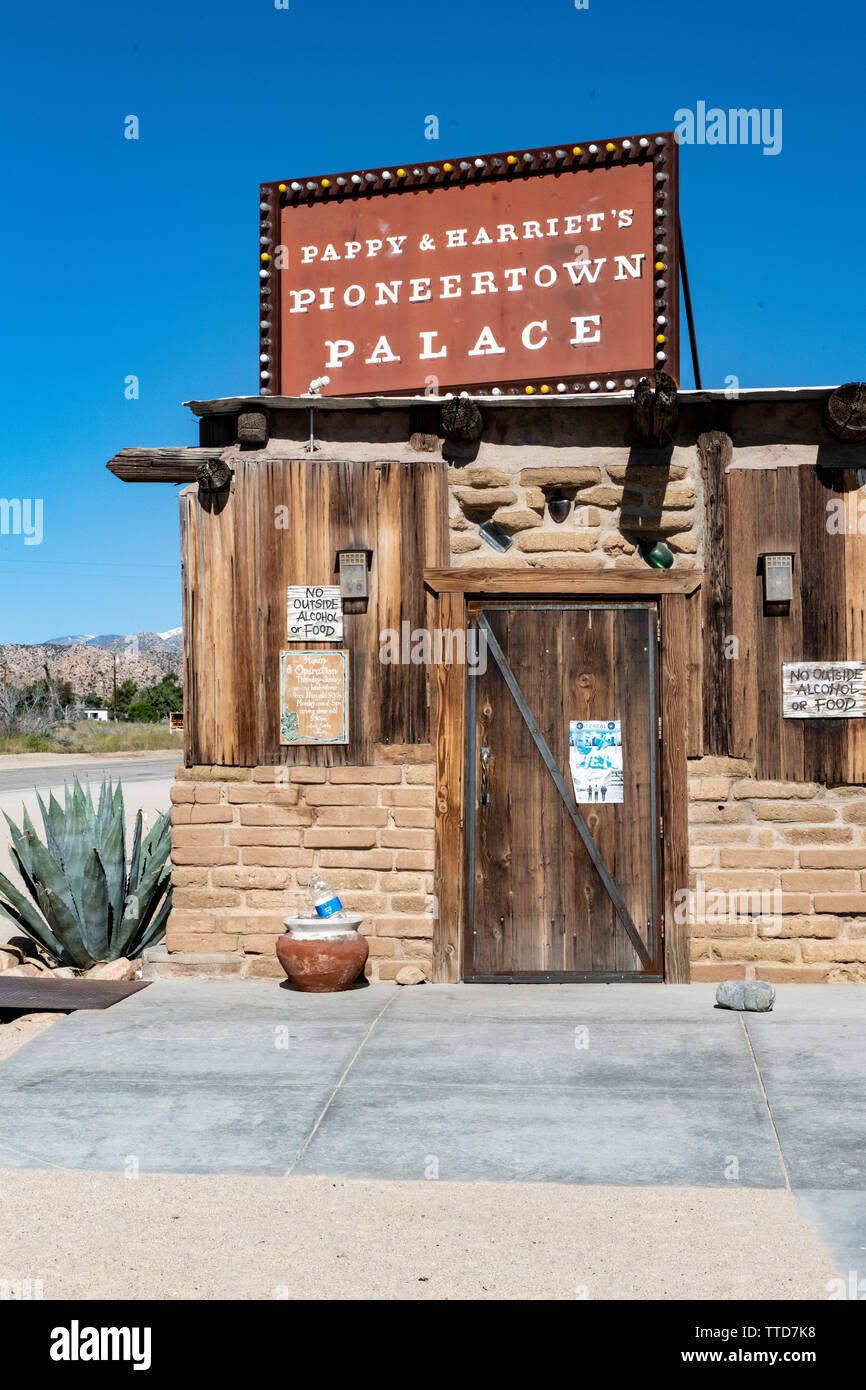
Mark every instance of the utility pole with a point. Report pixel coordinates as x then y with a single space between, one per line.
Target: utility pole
114 689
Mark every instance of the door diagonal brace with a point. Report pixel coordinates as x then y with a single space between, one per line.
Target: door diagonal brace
552 766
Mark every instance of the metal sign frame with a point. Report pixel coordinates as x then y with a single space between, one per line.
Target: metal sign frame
656 152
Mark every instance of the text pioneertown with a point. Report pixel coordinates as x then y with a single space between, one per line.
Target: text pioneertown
429 344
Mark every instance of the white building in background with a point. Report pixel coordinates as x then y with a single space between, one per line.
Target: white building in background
95 714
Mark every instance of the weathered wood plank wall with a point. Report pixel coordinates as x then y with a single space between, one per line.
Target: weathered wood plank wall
283 523
785 510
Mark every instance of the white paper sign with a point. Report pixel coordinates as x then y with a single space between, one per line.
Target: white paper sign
823 689
314 611
595 759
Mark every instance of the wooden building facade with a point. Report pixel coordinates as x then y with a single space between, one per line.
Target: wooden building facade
730 839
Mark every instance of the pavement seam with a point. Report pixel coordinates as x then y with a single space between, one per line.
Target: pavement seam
46 1162
766 1103
312 1134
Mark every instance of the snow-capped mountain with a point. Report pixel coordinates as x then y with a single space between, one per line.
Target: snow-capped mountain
170 641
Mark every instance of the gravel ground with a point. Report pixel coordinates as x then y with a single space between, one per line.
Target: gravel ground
18 1031
99 1235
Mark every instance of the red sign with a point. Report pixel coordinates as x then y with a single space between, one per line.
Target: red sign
543 270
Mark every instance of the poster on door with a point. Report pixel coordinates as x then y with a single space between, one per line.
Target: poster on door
595 759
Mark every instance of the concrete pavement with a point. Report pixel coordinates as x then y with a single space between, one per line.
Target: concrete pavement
625 1086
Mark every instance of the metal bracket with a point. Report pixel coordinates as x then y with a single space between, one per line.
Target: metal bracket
485 793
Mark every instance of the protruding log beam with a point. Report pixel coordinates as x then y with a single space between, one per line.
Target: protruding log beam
845 415
655 411
425 423
213 475
462 421
169 465
253 427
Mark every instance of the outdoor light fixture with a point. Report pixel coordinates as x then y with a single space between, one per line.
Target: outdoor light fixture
558 508
658 555
495 536
354 566
778 578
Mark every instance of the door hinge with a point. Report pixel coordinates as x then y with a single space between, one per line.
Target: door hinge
660 728
662 924
658 632
661 827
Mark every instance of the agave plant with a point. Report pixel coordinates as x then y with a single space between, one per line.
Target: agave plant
90 906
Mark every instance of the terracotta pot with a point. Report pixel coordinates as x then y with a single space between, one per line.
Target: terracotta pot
321 955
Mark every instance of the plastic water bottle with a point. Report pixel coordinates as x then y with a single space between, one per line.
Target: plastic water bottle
324 899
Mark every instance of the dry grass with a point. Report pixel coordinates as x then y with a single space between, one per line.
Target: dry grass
88 736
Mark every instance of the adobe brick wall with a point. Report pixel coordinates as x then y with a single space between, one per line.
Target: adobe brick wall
246 840
615 502
804 840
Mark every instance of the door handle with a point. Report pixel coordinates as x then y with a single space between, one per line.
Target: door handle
485 793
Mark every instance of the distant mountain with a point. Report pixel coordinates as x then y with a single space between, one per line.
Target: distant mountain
77 641
89 665
171 641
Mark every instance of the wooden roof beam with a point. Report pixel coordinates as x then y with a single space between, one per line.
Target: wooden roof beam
168 465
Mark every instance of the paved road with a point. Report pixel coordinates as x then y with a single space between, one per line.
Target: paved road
26 777
600 1086
147 786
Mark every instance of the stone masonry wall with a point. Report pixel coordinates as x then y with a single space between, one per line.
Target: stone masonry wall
615 503
804 840
246 840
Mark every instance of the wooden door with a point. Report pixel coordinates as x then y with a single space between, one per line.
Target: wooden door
560 889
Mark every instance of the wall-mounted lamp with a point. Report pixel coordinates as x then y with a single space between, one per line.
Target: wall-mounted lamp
656 554
558 507
495 536
778 578
354 568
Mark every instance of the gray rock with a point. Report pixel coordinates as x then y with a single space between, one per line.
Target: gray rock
410 975
754 996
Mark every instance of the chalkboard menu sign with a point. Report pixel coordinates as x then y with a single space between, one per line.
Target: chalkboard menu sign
314 697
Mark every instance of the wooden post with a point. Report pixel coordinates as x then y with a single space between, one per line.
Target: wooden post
450 759
675 802
715 451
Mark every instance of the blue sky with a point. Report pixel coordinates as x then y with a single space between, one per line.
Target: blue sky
139 257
